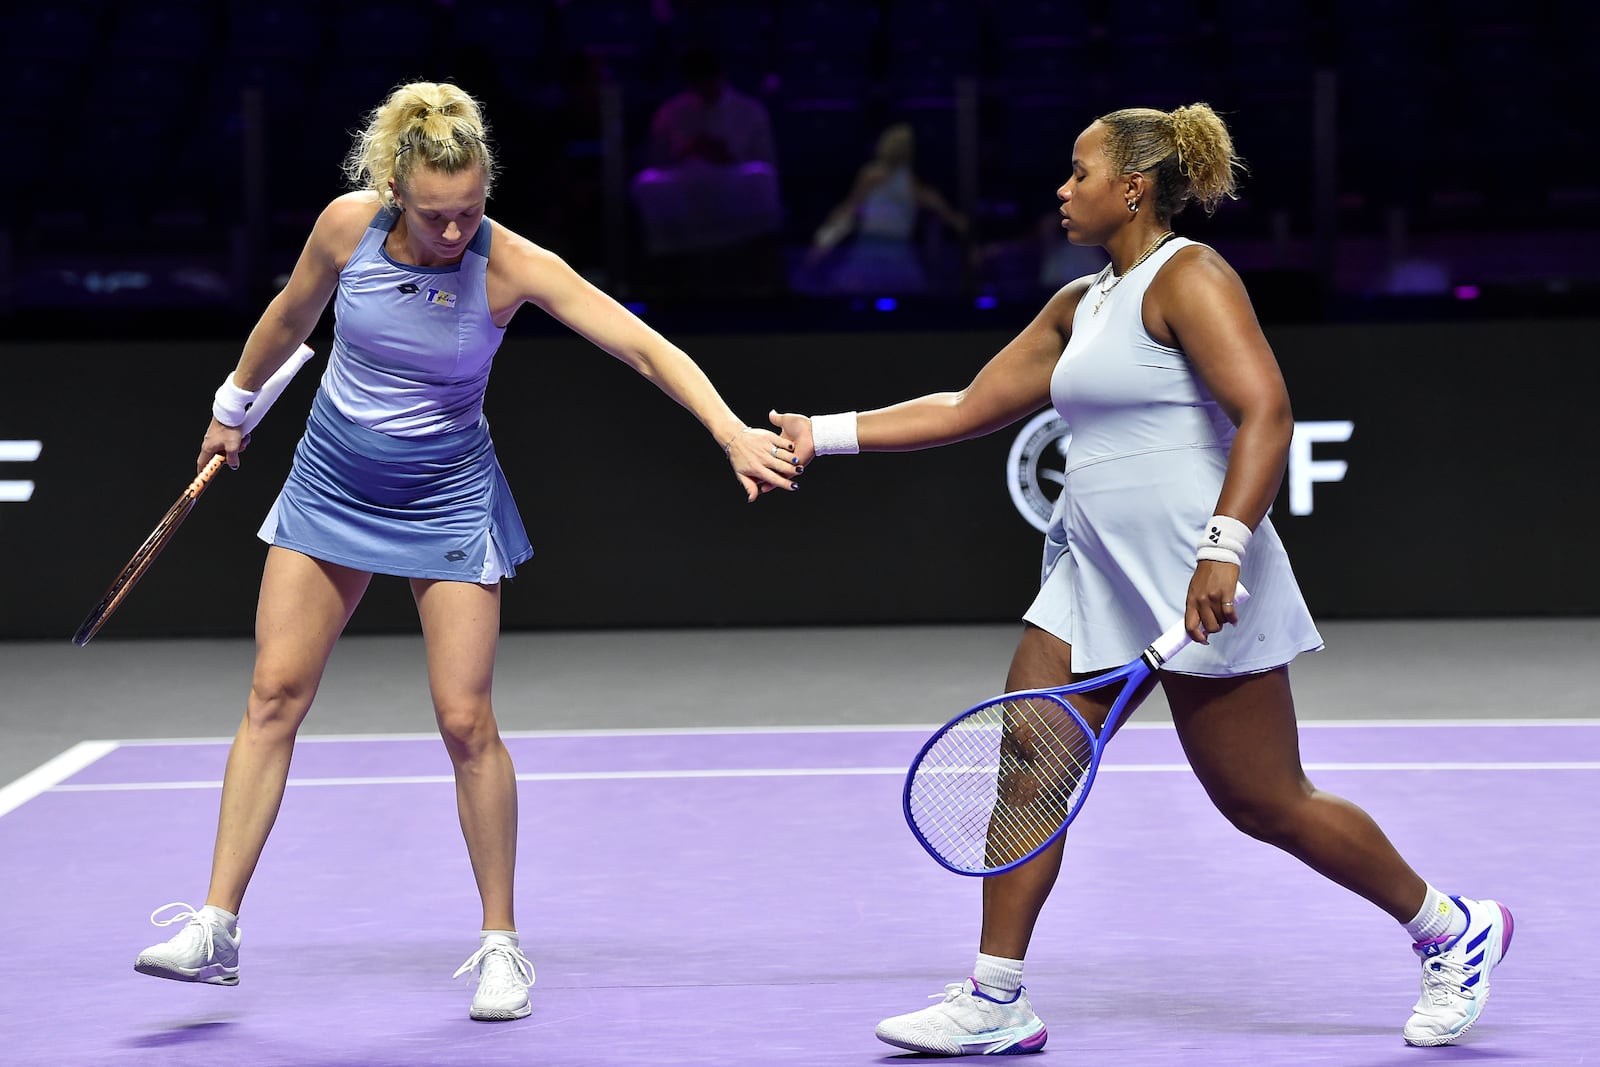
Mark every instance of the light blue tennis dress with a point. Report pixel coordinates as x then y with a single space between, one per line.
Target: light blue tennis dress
1144 467
396 473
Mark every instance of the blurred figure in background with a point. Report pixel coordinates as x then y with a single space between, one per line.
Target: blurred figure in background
874 228
709 197
710 121
1039 260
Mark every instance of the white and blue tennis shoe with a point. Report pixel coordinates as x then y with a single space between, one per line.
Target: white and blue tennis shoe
968 1022
1455 973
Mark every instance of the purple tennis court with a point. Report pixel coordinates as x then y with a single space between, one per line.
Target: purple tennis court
752 896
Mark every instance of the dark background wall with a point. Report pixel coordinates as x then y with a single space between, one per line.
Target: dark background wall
176 153
1417 230
1467 492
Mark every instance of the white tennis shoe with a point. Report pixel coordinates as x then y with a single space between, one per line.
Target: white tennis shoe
1455 973
203 951
504 975
968 1022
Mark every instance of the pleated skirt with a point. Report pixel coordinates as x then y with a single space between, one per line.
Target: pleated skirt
436 506
1120 551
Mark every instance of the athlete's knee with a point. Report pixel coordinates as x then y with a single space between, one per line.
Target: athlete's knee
277 702
1275 817
467 725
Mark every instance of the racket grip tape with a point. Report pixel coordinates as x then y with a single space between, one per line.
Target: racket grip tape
1177 639
198 486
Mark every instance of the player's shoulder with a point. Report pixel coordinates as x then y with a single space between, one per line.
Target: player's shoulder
1195 259
362 202
348 215
1196 281
524 264
1064 303
508 244
1195 273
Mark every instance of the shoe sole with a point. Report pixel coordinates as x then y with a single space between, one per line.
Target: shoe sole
1505 947
1450 1039
1032 1043
157 968
501 1015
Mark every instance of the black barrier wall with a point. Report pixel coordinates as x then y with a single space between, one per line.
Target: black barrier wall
1439 470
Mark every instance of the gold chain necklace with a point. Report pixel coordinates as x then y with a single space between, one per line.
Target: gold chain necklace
1109 281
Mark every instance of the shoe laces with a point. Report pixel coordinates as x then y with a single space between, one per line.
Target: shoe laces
187 914
1445 976
970 989
499 964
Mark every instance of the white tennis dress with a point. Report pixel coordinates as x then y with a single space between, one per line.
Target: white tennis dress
1144 467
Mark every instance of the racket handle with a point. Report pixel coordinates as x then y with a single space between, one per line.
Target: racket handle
198 486
274 387
1177 639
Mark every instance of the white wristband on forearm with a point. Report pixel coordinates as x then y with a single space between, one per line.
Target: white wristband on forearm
1225 540
835 435
229 405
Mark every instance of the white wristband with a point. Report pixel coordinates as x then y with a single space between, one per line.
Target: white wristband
1224 540
834 435
229 405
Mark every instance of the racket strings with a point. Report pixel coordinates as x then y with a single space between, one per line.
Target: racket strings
158 539
998 784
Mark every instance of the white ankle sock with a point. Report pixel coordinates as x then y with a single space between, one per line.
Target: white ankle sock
222 917
997 976
1439 917
499 935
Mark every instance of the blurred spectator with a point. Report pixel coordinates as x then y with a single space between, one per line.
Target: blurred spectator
709 197
1040 260
710 121
867 244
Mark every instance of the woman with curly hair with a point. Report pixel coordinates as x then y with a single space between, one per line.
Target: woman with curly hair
1180 426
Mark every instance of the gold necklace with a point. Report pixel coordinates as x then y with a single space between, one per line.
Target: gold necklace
1109 281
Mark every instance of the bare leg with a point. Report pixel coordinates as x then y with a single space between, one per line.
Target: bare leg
303 608
1012 901
1242 741
461 623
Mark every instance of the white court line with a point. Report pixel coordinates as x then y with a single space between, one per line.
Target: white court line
536 776
652 731
803 772
51 773
846 728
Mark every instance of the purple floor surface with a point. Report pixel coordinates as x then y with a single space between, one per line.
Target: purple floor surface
771 909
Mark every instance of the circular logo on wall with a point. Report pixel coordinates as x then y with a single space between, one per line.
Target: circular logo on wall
1036 468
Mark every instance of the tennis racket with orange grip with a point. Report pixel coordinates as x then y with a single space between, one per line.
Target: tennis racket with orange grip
162 535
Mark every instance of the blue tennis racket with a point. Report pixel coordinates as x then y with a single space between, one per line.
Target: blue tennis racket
999 783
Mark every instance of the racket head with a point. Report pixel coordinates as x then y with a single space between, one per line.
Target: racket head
1000 782
141 560
135 569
